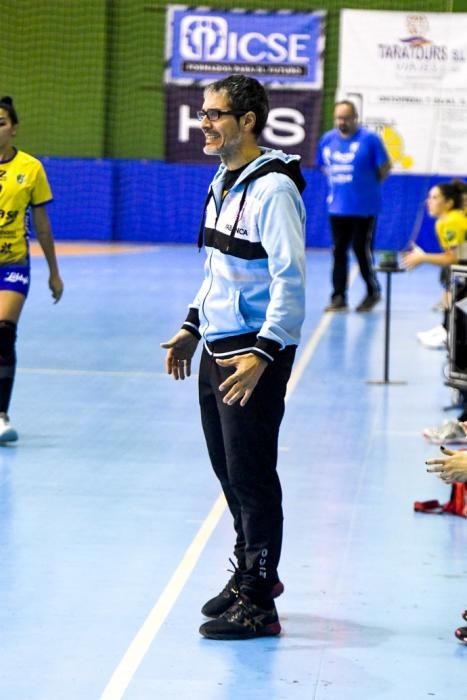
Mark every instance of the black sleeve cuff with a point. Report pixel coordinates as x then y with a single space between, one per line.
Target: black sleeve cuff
266 349
192 329
191 322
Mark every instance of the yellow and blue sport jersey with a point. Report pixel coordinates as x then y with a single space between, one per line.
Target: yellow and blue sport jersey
451 229
23 182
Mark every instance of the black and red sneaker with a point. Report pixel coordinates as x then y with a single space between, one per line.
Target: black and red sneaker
243 620
220 603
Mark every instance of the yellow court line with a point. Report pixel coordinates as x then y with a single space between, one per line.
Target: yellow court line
133 657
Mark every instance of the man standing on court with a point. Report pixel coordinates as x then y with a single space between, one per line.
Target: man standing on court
355 162
248 312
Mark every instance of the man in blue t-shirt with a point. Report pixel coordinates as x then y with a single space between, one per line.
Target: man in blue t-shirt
355 162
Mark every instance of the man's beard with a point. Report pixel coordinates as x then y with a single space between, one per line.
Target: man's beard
225 151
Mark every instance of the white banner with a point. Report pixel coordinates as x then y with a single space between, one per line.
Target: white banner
401 49
423 132
407 75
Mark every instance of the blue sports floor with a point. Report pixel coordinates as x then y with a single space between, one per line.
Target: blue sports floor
112 532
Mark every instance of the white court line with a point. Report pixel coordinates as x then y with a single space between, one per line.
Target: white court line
307 354
142 641
91 372
312 344
133 657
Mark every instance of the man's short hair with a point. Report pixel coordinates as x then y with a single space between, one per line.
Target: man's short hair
245 95
348 103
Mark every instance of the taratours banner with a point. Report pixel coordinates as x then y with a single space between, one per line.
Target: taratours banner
402 49
407 74
281 49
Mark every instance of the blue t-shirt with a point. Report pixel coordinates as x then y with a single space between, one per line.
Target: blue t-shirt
351 165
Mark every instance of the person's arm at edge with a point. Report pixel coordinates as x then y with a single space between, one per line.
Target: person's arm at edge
384 170
46 241
416 257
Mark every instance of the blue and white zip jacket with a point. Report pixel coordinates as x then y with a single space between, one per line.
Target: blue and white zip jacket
254 283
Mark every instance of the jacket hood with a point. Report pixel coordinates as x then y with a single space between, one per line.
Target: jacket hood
270 161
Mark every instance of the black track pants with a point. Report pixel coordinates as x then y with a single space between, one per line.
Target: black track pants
358 232
242 445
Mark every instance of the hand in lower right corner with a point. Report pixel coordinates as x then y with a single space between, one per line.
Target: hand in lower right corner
451 467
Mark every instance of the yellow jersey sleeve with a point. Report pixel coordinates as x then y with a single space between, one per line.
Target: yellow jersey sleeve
452 229
41 192
23 183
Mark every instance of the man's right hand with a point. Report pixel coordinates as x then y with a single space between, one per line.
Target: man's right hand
180 350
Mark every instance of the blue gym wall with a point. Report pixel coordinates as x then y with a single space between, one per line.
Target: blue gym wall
157 202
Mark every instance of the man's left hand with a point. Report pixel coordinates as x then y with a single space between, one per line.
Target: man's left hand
241 383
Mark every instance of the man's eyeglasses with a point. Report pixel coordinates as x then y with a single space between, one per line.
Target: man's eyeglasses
214 114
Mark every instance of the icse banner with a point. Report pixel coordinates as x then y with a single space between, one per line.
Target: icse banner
281 48
407 73
284 50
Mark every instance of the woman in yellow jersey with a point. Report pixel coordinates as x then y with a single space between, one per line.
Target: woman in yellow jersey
445 203
23 188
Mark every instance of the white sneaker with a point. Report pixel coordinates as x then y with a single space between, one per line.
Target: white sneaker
450 432
7 432
433 332
435 344
436 338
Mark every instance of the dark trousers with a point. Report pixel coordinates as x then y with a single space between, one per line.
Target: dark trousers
358 232
242 445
